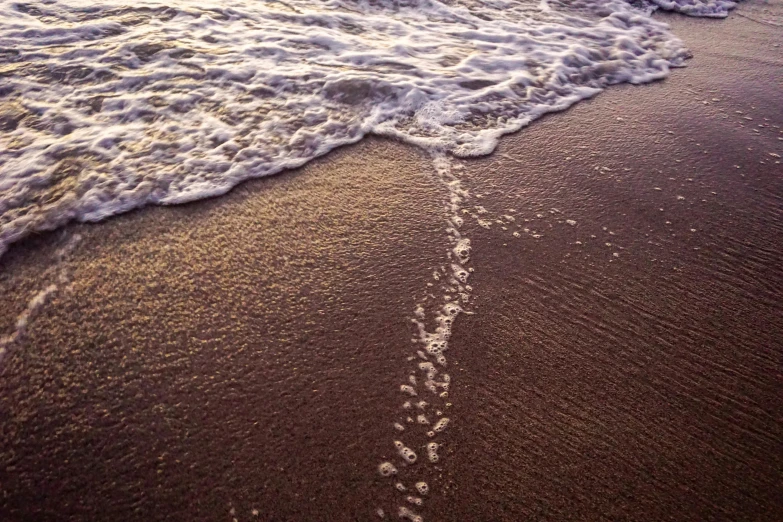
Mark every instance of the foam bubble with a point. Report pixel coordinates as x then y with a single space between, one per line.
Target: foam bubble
440 425
409 515
422 488
387 469
460 273
462 250
406 453
451 309
429 368
410 390
707 8
435 346
432 452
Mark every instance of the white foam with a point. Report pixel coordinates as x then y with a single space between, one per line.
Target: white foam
432 452
405 452
387 469
708 8
462 250
410 390
422 488
440 425
443 317
406 514
100 115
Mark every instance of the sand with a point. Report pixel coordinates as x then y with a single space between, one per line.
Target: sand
245 353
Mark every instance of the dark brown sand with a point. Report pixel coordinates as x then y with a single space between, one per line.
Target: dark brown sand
245 353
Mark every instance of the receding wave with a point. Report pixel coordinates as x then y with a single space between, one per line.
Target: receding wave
110 107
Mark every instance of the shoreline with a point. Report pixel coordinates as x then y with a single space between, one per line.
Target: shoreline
59 205
245 352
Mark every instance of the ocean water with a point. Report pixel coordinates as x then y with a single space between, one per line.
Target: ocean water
107 106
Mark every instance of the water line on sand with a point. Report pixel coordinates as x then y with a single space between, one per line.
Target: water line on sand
42 297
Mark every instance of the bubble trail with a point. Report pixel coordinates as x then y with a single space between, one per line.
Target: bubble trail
430 362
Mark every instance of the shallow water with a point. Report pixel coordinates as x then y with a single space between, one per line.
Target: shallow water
109 107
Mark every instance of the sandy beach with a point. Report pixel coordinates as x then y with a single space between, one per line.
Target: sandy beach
240 358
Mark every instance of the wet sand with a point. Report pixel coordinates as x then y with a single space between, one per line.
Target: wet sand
245 353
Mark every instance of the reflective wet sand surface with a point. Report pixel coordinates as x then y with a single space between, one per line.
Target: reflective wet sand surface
241 357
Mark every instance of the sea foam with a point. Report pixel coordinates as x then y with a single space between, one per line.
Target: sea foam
104 108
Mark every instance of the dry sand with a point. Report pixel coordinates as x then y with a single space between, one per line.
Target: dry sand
245 353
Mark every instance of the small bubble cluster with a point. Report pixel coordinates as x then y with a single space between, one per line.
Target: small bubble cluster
440 425
387 469
406 514
432 452
405 452
410 390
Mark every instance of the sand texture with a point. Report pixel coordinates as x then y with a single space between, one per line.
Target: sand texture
241 357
